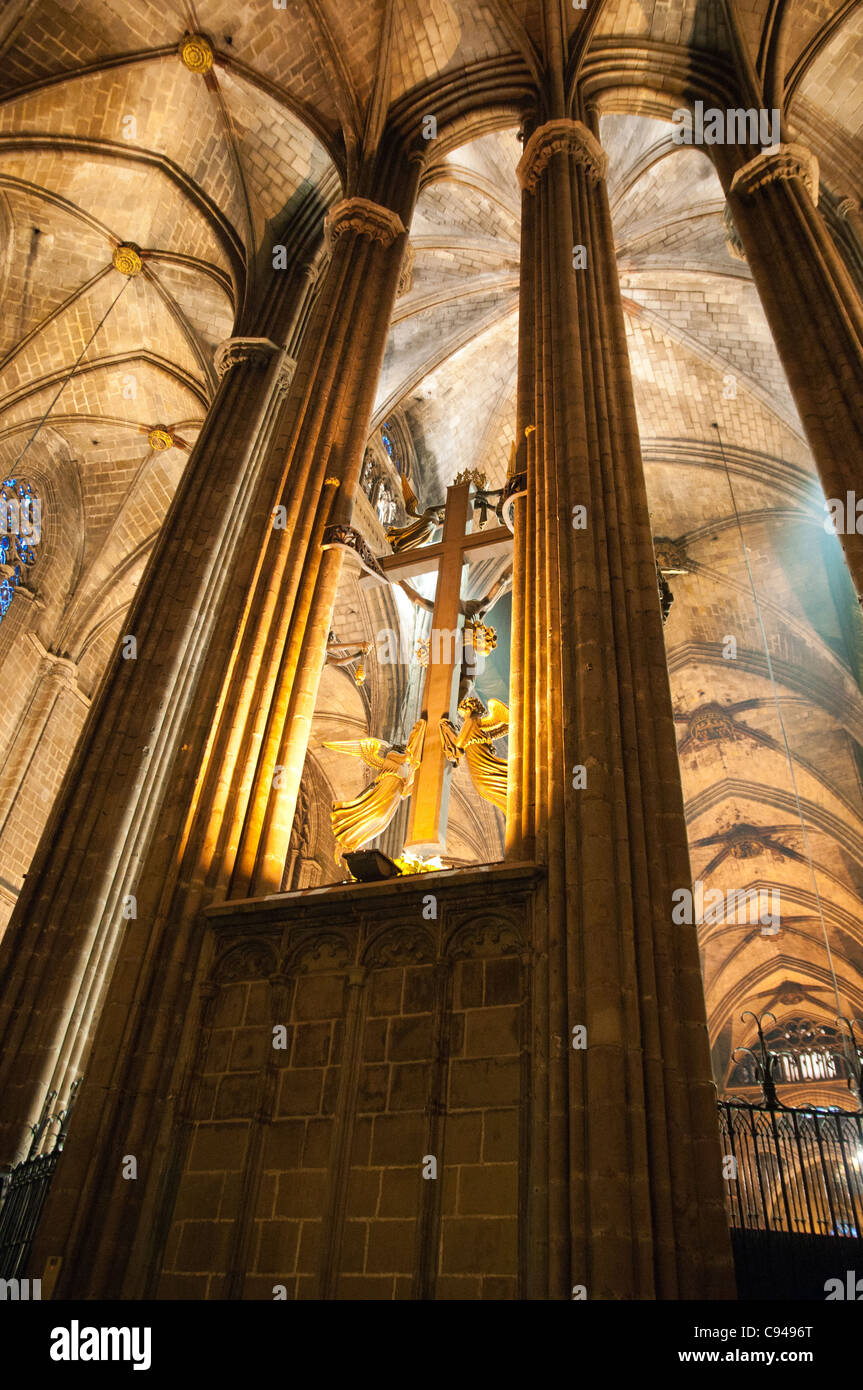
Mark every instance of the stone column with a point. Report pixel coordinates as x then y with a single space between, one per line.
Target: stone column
374 239
54 680
812 306
109 1235
626 1189
133 774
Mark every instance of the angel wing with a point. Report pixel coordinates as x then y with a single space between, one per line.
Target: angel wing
496 722
369 749
409 496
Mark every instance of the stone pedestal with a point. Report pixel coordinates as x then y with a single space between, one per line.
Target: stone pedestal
378 1145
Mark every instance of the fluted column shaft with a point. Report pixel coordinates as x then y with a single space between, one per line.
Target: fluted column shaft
812 306
376 263
625 1160
136 763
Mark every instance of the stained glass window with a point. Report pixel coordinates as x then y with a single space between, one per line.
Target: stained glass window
20 533
387 441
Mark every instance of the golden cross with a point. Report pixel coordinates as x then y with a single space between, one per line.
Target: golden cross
430 797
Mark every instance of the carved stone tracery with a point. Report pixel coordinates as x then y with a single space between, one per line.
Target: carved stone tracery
323 951
251 960
488 936
401 946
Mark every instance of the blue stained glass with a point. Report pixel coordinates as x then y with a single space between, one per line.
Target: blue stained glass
387 441
6 592
13 546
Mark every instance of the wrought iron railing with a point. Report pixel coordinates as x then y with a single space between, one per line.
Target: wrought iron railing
24 1190
793 1170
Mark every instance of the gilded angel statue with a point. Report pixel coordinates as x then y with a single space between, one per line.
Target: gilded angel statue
358 821
420 529
475 739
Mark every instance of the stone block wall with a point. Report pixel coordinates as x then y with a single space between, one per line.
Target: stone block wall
381 1152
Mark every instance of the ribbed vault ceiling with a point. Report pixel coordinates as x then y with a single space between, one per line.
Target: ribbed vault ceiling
213 170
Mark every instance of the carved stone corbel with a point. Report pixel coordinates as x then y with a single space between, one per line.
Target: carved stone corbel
339 537
234 350
286 375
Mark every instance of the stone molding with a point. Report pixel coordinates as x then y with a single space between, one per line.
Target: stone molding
406 274
732 236
561 137
848 207
363 218
778 164
235 350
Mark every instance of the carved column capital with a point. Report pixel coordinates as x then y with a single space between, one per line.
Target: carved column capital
363 218
61 672
234 350
779 163
561 137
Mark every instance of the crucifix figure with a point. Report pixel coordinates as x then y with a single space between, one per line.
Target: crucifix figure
447 558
